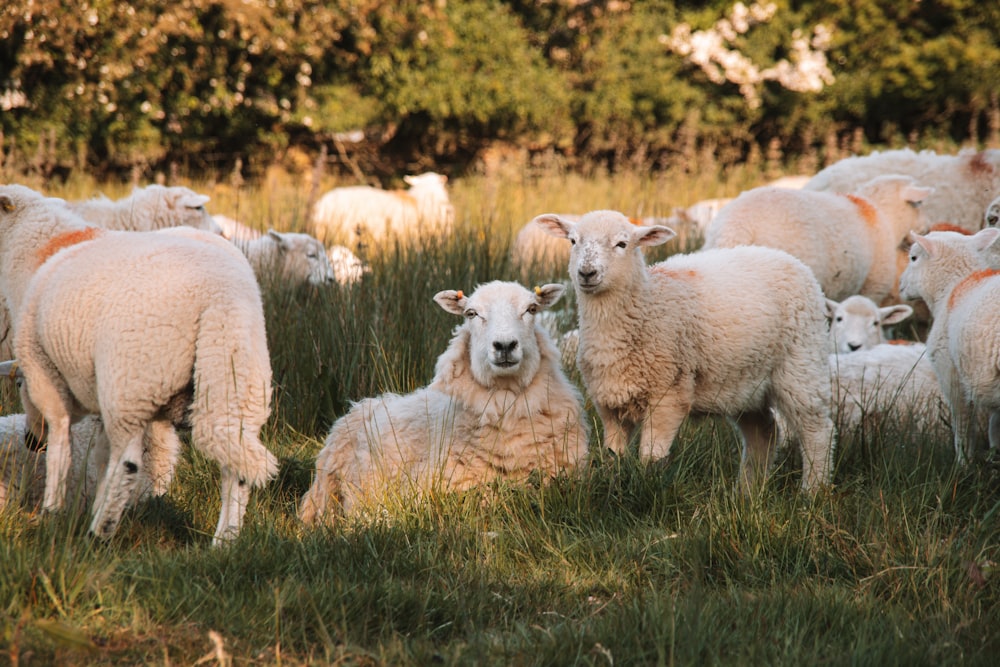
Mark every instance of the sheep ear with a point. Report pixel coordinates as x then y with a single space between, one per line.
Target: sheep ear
194 200
986 237
279 239
831 308
894 314
548 295
915 195
554 225
654 235
453 301
929 246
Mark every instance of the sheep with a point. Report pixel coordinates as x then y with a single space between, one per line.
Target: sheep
348 268
499 407
234 229
992 216
857 323
293 259
953 274
148 208
653 343
964 183
535 249
22 468
181 340
363 216
849 242
890 381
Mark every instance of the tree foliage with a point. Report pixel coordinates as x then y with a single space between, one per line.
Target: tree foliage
109 85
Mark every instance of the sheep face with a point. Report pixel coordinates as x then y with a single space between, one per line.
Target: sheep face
605 245
500 323
992 217
945 254
856 322
302 255
180 206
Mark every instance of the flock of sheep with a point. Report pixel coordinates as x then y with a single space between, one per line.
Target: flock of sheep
111 369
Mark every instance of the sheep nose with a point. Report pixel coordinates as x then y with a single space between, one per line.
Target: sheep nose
505 349
854 347
587 276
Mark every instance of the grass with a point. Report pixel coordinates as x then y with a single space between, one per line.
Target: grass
620 564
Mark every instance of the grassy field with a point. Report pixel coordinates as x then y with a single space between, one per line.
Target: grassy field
621 564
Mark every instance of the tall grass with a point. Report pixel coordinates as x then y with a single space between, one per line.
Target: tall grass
622 563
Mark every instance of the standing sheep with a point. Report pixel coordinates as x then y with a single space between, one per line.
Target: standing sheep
361 215
849 242
499 407
857 323
964 183
182 337
731 332
951 272
149 208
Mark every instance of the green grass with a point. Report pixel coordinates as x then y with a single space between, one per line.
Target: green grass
621 564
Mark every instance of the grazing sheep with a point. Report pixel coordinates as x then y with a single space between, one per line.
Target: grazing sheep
499 407
857 323
963 183
181 339
849 242
292 259
952 273
889 381
992 215
148 208
361 215
22 468
535 249
658 343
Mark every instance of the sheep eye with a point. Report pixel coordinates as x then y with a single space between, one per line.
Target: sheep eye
840 318
533 309
621 244
572 241
471 314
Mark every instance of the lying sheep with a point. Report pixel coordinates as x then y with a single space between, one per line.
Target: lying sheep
857 323
292 259
148 208
22 468
499 407
849 242
653 342
952 273
182 339
359 216
963 183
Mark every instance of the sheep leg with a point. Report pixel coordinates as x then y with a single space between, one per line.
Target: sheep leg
235 498
758 436
44 398
616 432
659 429
963 424
162 451
995 430
118 483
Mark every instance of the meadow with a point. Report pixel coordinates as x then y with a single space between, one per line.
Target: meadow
620 564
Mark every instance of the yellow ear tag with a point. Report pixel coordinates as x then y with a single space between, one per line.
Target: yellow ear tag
538 290
459 294
13 371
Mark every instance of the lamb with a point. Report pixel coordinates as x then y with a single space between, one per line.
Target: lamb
499 407
857 323
849 242
182 340
149 208
653 346
22 468
964 183
293 259
952 273
992 216
362 216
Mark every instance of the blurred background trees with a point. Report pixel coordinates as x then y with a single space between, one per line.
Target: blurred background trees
129 88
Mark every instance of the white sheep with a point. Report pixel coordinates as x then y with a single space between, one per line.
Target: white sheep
951 273
234 229
360 215
290 258
734 332
964 183
857 322
499 407
992 216
850 242
893 382
149 208
22 467
146 329
348 268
